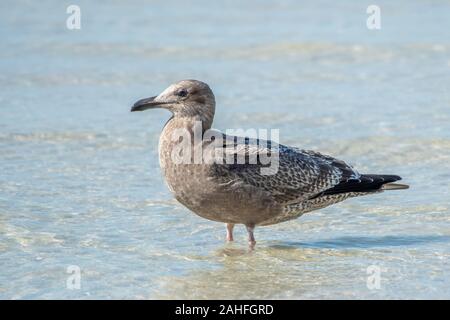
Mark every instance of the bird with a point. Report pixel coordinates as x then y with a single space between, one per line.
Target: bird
215 185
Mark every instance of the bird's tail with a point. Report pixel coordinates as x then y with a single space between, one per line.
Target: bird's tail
385 182
394 186
367 183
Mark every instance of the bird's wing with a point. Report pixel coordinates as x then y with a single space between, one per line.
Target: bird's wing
300 174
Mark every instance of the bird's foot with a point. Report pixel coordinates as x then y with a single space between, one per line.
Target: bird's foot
251 236
230 227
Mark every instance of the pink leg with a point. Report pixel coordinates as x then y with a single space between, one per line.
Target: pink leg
230 227
251 236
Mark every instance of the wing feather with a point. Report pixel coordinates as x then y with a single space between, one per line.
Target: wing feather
301 174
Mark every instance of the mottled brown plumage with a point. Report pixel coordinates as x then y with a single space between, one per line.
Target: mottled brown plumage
236 193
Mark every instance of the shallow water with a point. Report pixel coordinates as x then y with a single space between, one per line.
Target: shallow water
80 182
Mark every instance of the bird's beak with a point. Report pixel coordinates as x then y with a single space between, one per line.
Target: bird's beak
147 103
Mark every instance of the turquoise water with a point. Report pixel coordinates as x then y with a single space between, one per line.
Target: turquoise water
80 182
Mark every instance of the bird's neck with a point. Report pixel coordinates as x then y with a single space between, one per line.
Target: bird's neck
184 129
190 123
194 114
181 133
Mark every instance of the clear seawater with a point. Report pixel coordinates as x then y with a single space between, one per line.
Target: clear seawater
80 182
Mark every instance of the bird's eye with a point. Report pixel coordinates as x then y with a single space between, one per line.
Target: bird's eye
182 93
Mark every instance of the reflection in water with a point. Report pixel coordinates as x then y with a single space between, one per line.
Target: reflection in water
263 273
325 269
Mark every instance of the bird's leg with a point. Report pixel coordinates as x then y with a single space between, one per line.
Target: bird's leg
251 236
230 227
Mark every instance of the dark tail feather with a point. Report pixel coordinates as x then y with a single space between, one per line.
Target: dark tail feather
367 183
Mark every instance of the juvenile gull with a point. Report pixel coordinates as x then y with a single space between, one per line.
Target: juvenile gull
236 193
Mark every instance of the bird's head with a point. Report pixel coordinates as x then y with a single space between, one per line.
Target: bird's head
186 98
